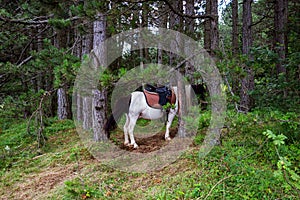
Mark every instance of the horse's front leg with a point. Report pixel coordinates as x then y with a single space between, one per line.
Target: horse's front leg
131 126
171 116
126 140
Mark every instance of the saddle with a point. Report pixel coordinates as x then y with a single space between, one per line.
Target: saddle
157 97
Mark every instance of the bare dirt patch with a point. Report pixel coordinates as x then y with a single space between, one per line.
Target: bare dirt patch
36 185
147 144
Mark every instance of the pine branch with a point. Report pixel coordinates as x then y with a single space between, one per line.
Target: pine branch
181 14
34 21
169 4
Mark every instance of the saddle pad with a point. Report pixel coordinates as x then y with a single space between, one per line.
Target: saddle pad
152 99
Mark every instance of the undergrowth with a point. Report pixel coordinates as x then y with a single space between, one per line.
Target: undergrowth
258 159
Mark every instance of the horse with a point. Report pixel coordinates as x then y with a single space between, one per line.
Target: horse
136 106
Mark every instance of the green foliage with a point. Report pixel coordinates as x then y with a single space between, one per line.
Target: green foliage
245 166
248 165
277 139
168 106
63 64
76 188
48 70
16 145
286 172
59 23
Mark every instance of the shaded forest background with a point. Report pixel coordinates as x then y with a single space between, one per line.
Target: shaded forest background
255 44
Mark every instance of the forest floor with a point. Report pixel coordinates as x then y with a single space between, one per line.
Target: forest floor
64 169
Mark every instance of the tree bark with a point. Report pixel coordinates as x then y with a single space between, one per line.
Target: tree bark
247 82
280 23
99 114
235 33
176 23
87 39
163 22
87 123
214 26
84 102
99 96
207 27
182 106
79 108
144 24
189 22
189 29
63 104
211 29
77 46
63 108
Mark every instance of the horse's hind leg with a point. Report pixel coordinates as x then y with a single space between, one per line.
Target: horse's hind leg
126 131
171 116
131 125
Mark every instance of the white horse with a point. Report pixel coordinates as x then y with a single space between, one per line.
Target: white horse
135 106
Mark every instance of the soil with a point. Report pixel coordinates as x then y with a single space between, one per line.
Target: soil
38 185
146 145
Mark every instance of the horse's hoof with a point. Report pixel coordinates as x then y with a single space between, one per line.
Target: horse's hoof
135 146
126 144
167 138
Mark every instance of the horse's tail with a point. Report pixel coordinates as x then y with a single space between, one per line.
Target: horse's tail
121 107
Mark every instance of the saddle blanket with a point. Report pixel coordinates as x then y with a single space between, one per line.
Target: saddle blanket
156 100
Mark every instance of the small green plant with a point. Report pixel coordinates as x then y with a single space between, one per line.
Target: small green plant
277 139
284 173
168 106
78 189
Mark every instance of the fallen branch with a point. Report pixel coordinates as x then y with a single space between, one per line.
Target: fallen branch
39 121
232 94
213 187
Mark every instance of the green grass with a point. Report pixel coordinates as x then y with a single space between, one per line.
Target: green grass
243 167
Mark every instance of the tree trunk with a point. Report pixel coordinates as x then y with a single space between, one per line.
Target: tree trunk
235 33
99 96
207 27
190 22
99 114
182 106
63 108
189 29
247 38
144 24
87 39
176 23
163 22
247 82
79 108
77 50
87 123
211 29
62 104
84 102
280 23
214 26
